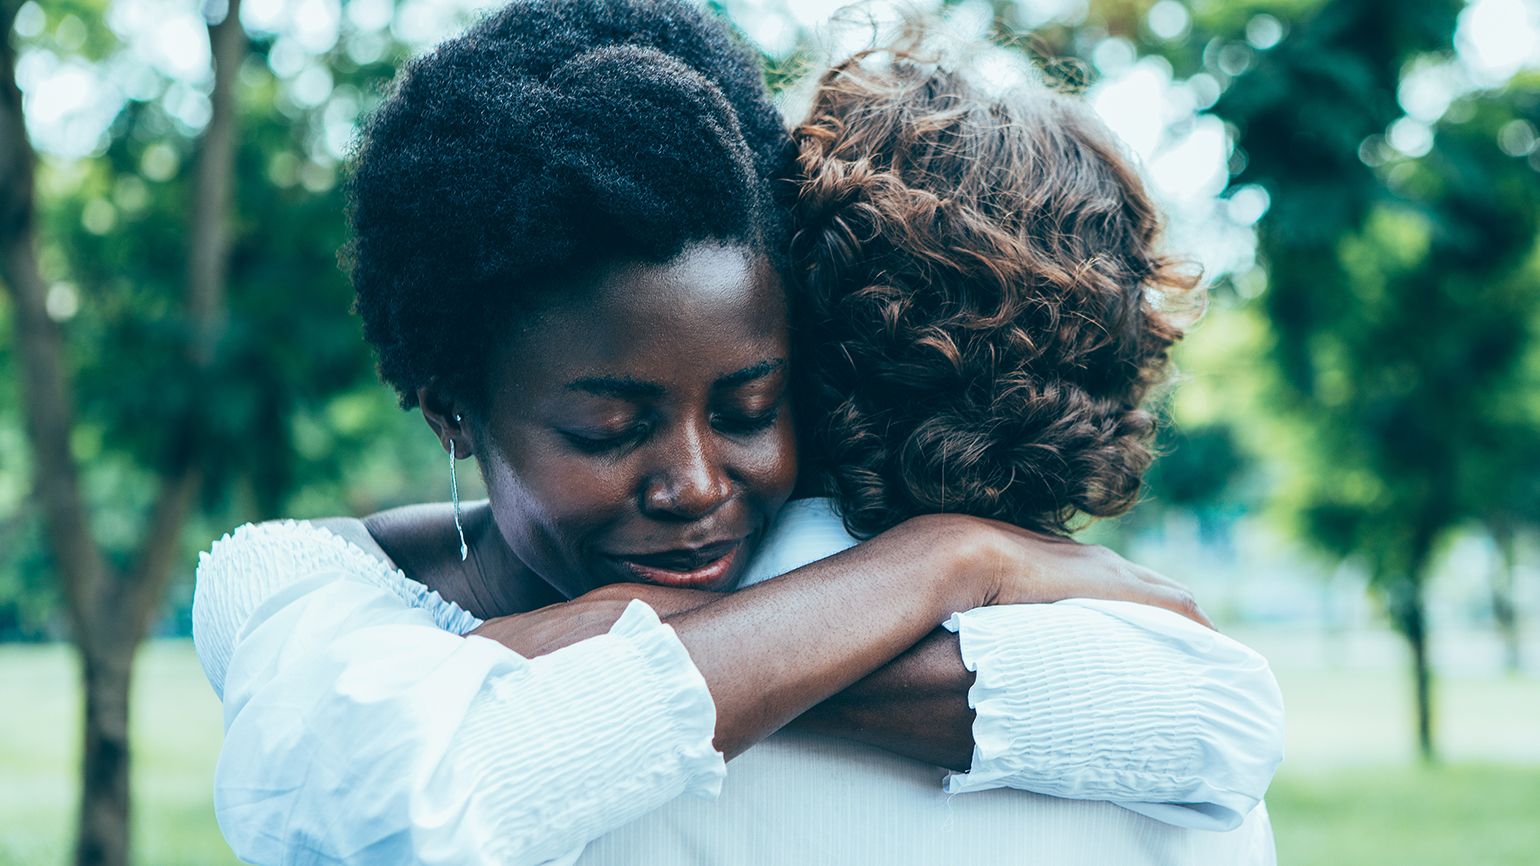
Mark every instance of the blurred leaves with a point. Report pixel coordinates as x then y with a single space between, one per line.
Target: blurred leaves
295 406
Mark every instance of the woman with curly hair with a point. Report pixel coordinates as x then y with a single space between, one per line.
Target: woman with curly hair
569 257
981 303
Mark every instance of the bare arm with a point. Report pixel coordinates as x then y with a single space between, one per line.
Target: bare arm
775 650
915 706
770 652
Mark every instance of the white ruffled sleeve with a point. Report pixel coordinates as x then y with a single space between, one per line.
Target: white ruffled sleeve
360 730
1094 700
1107 700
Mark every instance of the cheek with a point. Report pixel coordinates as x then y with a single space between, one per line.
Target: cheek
556 501
770 471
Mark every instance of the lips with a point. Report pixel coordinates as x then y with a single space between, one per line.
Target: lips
684 567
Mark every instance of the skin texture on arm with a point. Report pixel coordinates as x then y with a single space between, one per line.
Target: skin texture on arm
913 700
915 705
770 652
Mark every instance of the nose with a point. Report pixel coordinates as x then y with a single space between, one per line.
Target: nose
691 481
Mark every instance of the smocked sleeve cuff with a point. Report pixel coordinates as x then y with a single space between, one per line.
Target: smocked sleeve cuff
1114 701
628 715
632 696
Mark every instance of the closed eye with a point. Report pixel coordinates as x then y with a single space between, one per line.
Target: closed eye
742 425
594 442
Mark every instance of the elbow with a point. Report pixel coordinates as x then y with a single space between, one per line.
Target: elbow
1263 724
1245 745
1270 727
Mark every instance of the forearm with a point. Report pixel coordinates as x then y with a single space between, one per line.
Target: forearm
772 651
908 690
915 706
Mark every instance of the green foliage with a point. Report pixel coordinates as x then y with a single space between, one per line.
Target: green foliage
1201 466
296 413
1400 314
1403 341
1400 290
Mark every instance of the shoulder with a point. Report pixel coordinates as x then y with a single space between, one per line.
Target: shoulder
254 559
411 539
805 531
353 529
417 537
423 542
421 546
258 562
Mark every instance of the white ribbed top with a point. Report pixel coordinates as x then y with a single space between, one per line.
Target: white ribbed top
1092 699
360 727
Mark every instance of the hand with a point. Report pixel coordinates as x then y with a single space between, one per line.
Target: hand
552 627
1018 566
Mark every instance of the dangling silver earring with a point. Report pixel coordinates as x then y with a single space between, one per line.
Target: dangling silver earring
454 494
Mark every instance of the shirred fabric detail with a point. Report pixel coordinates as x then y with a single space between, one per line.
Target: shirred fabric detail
1093 699
363 730
1103 700
658 723
248 565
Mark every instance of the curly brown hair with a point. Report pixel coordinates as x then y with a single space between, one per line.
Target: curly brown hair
980 319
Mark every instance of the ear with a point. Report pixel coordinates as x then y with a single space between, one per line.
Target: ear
445 417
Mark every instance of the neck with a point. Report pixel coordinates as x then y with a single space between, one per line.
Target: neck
494 575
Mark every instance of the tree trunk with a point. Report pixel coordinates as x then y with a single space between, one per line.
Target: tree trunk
110 611
85 578
1415 628
102 838
1504 613
1408 612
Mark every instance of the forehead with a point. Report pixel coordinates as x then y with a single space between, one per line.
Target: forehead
710 311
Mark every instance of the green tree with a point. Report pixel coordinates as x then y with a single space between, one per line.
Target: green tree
1397 290
181 338
110 606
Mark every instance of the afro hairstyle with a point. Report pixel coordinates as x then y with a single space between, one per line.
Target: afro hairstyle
551 137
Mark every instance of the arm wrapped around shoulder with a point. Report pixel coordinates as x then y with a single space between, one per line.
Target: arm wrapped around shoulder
359 730
1106 700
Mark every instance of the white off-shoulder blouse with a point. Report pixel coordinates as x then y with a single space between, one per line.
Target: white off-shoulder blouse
363 727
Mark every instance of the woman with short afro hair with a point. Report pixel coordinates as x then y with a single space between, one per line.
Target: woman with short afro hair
520 151
568 255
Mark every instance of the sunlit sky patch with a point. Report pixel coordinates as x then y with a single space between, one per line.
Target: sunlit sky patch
1496 38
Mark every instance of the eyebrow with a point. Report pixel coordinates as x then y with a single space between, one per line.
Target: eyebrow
750 373
621 387
626 388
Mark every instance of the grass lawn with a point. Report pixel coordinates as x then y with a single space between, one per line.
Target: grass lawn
1470 814
175 735
1346 795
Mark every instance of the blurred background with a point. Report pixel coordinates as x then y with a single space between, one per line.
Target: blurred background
1351 481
